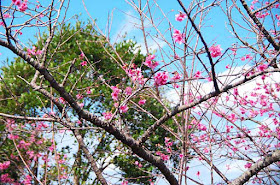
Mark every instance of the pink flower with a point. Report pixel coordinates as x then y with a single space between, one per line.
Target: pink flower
23 7
5 178
128 90
197 74
123 108
141 102
124 183
61 100
136 75
215 51
107 115
7 15
248 165
33 51
176 76
18 32
161 78
150 63
79 96
11 137
138 164
150 57
180 17
178 36
82 55
5 165
249 57
115 92
262 67
88 90
181 155
116 104
17 2
166 139
235 92
83 63
198 173
164 157
81 105
233 51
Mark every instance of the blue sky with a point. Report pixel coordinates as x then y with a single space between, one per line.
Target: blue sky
121 22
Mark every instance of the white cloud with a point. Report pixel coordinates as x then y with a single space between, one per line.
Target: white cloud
127 26
153 44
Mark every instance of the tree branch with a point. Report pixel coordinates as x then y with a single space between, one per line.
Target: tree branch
268 160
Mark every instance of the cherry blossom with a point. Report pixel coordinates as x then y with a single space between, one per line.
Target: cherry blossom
5 165
79 96
115 92
248 165
178 36
33 51
176 76
123 108
215 51
197 74
141 102
161 78
107 115
128 90
180 17
150 62
83 63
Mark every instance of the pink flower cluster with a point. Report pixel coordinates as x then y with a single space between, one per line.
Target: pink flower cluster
161 78
6 179
136 75
82 55
79 96
83 63
197 74
163 156
5 165
178 36
180 17
21 5
33 51
262 67
137 163
150 62
176 76
261 15
115 92
123 108
128 90
62 100
107 115
215 51
142 102
124 183
248 165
